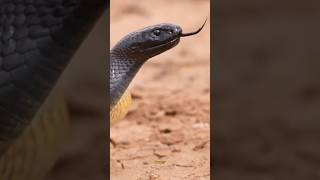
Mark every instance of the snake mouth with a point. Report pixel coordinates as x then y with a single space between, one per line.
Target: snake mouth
166 45
175 40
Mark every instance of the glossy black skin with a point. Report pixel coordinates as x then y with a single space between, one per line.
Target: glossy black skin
129 54
37 40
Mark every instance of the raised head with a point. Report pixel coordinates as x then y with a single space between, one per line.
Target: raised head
129 54
150 41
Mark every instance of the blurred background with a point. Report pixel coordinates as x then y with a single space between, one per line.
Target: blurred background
84 81
267 89
166 133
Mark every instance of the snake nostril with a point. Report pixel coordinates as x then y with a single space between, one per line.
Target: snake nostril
177 30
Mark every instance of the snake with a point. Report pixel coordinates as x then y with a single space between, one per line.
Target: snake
38 38
129 54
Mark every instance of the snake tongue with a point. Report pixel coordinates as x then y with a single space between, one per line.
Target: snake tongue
195 32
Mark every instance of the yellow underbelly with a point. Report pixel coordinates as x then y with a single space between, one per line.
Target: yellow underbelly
121 108
32 155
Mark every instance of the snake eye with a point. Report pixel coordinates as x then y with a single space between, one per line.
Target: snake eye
156 32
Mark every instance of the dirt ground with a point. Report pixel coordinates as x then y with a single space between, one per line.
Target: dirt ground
166 134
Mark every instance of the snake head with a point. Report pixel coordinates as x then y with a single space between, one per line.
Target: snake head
158 39
150 41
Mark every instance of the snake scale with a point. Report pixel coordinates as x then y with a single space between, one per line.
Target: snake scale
130 53
37 40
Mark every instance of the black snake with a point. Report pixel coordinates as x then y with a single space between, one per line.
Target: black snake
130 53
37 40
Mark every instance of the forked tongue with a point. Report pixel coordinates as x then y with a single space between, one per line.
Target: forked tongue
193 33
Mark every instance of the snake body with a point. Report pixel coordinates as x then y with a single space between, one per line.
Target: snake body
130 53
37 40
35 151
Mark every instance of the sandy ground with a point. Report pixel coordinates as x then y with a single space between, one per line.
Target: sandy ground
166 134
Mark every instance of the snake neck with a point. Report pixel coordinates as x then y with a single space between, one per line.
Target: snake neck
122 71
